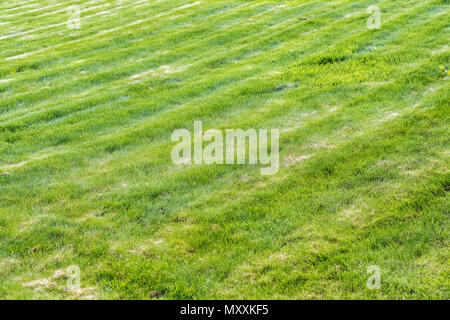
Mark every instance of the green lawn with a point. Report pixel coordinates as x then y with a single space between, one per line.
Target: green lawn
86 176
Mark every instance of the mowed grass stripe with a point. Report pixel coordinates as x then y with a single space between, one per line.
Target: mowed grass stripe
109 28
54 25
37 75
141 43
309 130
229 212
34 93
119 163
85 33
7 7
176 278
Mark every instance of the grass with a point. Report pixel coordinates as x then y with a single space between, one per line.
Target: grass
86 178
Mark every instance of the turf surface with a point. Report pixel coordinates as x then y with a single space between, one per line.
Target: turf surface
86 177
